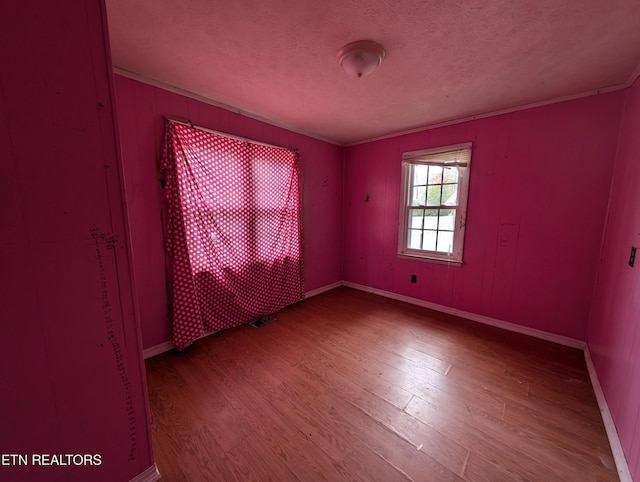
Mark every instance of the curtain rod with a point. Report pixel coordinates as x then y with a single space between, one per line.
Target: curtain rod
188 123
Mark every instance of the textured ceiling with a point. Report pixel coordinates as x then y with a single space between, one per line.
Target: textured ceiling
446 59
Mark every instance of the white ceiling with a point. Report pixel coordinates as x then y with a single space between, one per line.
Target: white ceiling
446 59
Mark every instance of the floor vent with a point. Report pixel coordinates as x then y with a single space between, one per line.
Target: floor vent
262 320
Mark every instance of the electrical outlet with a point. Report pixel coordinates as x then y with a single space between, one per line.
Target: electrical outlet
632 256
414 278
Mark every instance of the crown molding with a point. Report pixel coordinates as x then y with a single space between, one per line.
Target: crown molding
176 90
205 100
461 120
634 76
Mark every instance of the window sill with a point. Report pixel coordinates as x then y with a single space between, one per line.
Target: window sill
430 259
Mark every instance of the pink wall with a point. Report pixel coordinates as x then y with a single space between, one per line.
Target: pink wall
614 326
537 202
71 371
140 109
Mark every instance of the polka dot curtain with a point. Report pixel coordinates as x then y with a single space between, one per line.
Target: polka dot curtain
234 234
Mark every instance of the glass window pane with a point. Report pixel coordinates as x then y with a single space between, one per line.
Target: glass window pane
447 219
415 220
445 241
420 174
433 195
435 175
419 196
429 240
450 174
415 237
450 194
431 219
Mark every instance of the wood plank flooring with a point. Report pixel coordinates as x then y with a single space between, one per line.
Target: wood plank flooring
351 386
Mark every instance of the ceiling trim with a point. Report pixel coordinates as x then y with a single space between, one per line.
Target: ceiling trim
176 90
235 110
634 76
494 113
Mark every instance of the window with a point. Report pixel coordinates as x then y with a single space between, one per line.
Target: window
234 233
434 203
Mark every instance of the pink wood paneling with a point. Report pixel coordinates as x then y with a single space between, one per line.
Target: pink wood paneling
614 327
71 372
140 110
538 196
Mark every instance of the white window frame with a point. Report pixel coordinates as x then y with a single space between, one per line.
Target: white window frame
458 155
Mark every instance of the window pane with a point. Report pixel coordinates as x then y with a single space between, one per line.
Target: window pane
420 174
433 190
445 242
450 194
416 218
447 219
450 174
415 237
431 219
435 175
433 195
429 240
419 197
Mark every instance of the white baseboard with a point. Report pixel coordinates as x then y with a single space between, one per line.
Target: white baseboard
149 475
505 325
157 349
607 419
322 289
609 425
168 345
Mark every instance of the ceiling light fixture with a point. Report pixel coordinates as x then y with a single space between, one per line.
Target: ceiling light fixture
359 59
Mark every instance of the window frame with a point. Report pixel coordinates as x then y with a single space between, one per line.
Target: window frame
435 156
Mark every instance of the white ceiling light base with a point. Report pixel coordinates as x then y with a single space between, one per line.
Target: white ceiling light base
359 59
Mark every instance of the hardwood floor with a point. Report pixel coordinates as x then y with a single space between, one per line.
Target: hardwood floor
351 386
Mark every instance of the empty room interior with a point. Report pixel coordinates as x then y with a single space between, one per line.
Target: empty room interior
340 240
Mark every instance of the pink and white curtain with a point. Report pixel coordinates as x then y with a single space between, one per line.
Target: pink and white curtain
234 232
